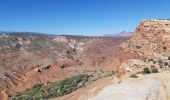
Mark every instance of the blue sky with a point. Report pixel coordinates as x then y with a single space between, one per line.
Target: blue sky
79 17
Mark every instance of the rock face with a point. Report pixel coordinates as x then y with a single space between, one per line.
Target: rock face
151 37
150 40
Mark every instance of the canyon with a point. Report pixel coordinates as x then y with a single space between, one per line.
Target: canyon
30 59
27 59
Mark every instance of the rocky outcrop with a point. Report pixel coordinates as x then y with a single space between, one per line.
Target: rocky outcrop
3 95
151 37
151 40
19 81
133 65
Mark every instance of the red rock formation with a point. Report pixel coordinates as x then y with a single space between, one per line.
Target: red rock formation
151 37
3 95
40 62
22 80
46 59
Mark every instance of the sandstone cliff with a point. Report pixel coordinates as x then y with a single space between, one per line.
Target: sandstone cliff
151 38
149 47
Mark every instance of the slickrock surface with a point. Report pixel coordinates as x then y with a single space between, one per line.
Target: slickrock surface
147 87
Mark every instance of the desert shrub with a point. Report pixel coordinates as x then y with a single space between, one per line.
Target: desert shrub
169 58
154 62
108 73
71 84
55 89
150 60
154 70
160 62
138 47
166 64
160 66
113 72
133 76
146 70
164 48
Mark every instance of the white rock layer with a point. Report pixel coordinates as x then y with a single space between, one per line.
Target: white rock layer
133 89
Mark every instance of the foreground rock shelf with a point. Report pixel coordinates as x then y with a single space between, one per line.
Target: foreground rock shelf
146 87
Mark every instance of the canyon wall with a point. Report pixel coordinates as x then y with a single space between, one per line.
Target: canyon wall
31 60
151 38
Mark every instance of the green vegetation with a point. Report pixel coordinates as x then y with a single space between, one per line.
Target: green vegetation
138 47
166 64
146 70
160 64
56 89
154 62
109 73
150 60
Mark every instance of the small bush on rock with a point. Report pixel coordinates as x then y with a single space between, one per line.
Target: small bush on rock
169 58
149 60
160 62
166 64
146 70
154 62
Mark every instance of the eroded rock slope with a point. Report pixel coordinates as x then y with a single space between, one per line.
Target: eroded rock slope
148 48
29 59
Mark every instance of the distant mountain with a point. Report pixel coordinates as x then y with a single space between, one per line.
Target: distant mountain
26 33
121 34
1 32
